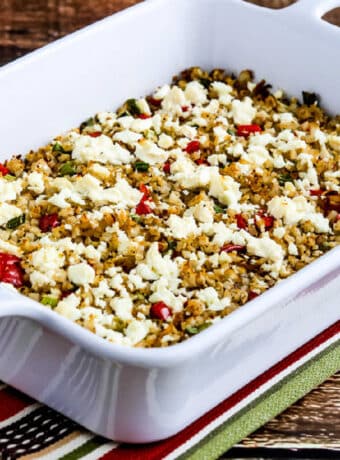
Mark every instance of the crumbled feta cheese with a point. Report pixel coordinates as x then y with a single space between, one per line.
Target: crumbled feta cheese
127 136
334 142
125 122
298 209
36 182
69 308
258 155
8 212
122 194
188 131
47 259
286 117
310 178
185 172
182 227
137 330
101 292
264 247
100 149
209 296
236 150
161 293
161 92
204 212
81 274
141 125
174 100
39 280
96 254
143 106
195 93
162 266
243 112
287 141
122 307
220 134
225 189
216 159
101 171
279 232
9 189
135 281
9 248
278 161
292 249
223 92
261 139
149 152
165 141
222 234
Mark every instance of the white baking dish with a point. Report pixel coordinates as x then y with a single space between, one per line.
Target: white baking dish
139 395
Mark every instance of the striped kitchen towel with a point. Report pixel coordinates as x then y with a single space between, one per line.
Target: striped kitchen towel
29 430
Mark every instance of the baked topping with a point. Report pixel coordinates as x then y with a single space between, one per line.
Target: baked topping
148 224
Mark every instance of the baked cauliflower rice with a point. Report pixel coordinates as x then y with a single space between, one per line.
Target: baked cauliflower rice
149 224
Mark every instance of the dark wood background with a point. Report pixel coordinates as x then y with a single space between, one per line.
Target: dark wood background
313 424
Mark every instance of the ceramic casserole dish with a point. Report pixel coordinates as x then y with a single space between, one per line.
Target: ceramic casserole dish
144 395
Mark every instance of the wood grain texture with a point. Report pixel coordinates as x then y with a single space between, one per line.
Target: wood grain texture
28 24
314 421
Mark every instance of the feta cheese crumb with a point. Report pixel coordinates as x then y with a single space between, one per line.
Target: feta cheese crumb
69 307
36 182
9 190
292 249
243 112
100 149
137 330
122 307
149 152
195 93
209 296
225 189
165 141
298 209
182 227
81 274
8 212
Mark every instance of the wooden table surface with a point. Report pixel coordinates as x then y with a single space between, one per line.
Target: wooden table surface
312 426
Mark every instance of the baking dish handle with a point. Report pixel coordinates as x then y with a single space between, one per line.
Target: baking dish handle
312 9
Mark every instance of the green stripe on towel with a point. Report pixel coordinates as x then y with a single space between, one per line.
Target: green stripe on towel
273 402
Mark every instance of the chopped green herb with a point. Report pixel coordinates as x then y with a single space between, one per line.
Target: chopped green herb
119 325
205 82
51 301
192 330
85 124
283 178
325 246
124 114
132 107
231 132
140 166
218 209
310 98
58 148
16 222
140 296
172 245
136 218
9 177
67 169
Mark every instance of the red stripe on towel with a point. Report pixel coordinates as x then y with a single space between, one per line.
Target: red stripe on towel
12 402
